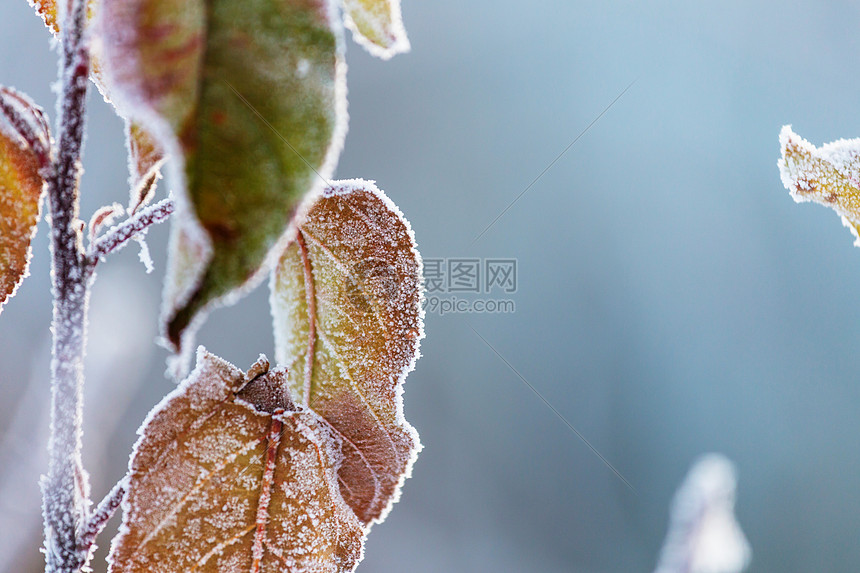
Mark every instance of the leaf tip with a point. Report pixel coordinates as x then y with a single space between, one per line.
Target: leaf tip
377 26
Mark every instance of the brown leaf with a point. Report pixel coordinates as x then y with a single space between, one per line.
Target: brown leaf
24 141
229 475
346 306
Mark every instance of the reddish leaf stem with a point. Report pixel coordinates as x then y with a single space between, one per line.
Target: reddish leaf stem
266 490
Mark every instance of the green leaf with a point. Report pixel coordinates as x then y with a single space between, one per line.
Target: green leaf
230 475
377 25
24 145
829 175
249 97
346 300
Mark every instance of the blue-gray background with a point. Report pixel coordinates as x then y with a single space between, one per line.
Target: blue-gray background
672 298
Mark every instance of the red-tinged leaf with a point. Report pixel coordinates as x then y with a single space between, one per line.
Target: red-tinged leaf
47 10
248 99
377 25
230 475
24 144
347 316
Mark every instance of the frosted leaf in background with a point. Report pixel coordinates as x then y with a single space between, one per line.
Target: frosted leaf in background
829 175
230 475
47 10
377 26
704 536
22 128
348 320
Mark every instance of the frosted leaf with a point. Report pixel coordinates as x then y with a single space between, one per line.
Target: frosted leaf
377 25
21 185
347 319
47 10
218 484
251 128
704 536
829 175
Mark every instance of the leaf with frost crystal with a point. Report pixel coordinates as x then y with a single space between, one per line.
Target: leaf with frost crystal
377 25
230 475
21 185
346 304
47 10
250 97
704 536
829 175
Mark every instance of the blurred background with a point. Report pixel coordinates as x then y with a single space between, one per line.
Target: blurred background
671 298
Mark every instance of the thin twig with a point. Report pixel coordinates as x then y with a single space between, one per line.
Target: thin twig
64 488
120 235
102 514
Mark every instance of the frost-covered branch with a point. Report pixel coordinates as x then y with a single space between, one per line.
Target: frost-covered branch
101 515
120 235
65 488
